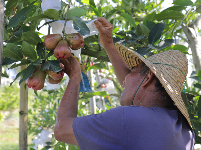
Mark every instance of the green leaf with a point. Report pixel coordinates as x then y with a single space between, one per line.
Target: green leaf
12 51
196 78
99 93
150 24
31 37
183 2
80 26
166 43
52 13
199 74
23 62
129 19
110 14
181 48
149 17
145 30
5 74
169 14
199 107
41 16
8 61
27 73
85 2
143 51
96 66
74 11
40 50
93 6
21 16
197 85
17 76
156 32
53 65
176 8
9 7
28 51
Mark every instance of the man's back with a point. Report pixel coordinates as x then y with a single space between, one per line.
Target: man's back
132 127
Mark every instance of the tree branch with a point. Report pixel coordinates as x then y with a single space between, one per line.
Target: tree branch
1 34
183 38
195 23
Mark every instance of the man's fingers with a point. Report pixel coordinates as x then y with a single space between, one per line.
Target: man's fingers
99 26
104 22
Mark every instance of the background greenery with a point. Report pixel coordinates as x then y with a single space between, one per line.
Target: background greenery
143 26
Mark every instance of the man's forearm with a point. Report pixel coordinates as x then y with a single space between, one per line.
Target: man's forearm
121 69
69 103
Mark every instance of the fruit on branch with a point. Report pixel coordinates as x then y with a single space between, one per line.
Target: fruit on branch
62 50
75 40
37 79
52 40
56 75
52 81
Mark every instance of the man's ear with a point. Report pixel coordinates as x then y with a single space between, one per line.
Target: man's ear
149 79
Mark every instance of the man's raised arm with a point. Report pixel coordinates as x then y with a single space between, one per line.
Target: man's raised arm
105 33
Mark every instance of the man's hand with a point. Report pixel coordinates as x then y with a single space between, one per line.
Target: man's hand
72 67
105 31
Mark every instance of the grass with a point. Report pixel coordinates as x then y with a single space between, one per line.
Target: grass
9 133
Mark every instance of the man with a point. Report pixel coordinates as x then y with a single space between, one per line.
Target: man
152 115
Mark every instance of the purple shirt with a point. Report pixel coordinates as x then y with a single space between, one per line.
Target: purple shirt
134 128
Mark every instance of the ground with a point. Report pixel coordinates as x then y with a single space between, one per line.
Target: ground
9 132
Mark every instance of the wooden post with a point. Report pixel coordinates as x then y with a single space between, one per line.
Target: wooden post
23 115
1 34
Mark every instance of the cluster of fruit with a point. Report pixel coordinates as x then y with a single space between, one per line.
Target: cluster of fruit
61 48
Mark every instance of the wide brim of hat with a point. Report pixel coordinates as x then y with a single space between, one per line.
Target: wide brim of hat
132 59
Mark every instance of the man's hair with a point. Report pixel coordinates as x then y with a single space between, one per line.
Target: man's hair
159 88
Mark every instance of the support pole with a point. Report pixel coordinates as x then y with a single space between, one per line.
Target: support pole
23 115
92 100
1 34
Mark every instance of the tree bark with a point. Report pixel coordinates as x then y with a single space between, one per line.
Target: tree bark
23 115
192 36
1 34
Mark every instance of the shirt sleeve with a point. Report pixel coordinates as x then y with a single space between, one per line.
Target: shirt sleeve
104 131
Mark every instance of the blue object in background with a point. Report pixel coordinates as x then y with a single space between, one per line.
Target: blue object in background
84 84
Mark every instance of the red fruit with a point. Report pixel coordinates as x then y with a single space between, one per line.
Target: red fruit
62 51
37 79
55 75
52 81
52 40
103 86
75 40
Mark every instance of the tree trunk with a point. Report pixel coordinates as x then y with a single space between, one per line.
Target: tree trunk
192 36
23 114
1 34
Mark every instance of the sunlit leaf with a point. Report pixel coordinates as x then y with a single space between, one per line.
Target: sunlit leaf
21 16
74 11
130 19
31 37
80 26
169 14
28 51
52 13
183 2
12 51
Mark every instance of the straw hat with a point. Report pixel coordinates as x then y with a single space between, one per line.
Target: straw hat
170 67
